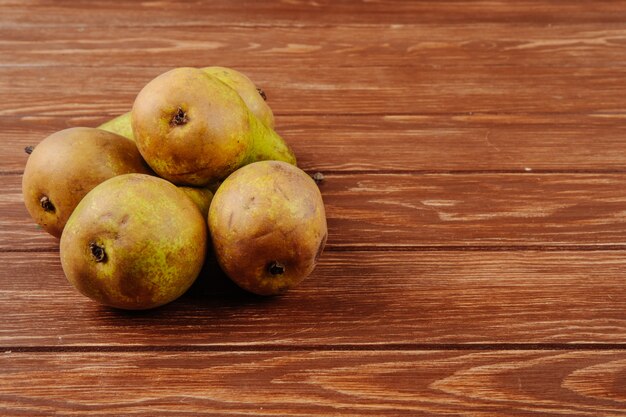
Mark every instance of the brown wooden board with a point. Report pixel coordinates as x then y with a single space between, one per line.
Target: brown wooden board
108 91
247 47
312 383
299 13
436 144
352 299
430 211
474 162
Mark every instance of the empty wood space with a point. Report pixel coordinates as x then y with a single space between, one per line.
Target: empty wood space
474 161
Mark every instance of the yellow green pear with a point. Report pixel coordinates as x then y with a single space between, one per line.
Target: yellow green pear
120 125
268 226
192 129
134 242
200 196
253 96
67 165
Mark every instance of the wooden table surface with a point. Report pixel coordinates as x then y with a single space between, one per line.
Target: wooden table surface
474 156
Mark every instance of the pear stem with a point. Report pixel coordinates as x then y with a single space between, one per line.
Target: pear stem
262 94
29 149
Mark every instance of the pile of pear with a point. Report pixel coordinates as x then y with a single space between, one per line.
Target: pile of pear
195 170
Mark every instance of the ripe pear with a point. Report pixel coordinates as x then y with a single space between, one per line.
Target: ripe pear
200 196
67 165
251 95
268 226
134 242
120 125
192 129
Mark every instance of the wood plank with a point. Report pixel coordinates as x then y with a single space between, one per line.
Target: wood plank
352 299
463 210
321 12
434 45
426 143
109 91
415 211
405 383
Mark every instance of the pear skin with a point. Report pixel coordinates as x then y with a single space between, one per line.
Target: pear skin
200 196
267 146
119 125
67 165
192 129
134 242
253 97
268 226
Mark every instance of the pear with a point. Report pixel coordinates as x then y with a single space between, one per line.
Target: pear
200 196
251 95
120 125
192 129
67 165
134 242
268 226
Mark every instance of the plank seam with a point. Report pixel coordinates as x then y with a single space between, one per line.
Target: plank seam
418 248
318 347
618 114
477 248
529 23
349 66
419 172
468 171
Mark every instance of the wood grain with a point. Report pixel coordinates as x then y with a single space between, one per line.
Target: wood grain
474 162
425 211
403 383
415 45
436 144
304 13
352 299
109 91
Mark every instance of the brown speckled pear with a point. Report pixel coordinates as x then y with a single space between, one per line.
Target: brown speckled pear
67 165
193 129
252 96
268 226
134 242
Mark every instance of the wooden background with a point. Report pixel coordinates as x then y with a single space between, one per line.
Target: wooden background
475 163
